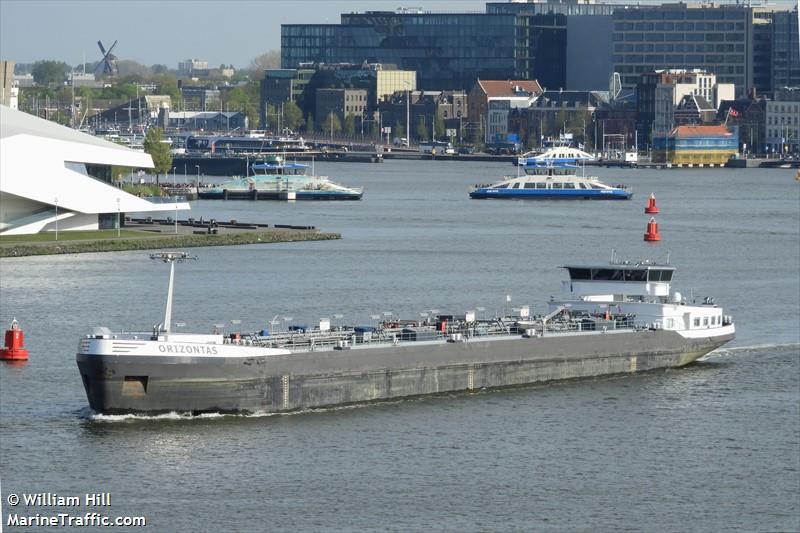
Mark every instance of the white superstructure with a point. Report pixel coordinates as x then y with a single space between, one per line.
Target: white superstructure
642 290
49 173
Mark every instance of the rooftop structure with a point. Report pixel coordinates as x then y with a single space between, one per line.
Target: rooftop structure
57 178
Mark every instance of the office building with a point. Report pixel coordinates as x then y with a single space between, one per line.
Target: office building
783 122
785 50
716 39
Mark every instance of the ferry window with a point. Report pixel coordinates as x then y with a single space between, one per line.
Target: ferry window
530 185
569 185
556 186
503 186
705 321
580 273
515 186
697 322
541 185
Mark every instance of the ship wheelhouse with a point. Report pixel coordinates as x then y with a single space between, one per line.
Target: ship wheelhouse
619 282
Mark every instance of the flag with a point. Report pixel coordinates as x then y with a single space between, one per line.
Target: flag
732 112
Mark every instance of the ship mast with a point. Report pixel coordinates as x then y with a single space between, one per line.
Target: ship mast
171 258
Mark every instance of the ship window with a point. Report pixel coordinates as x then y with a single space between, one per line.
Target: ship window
580 273
606 274
697 322
660 275
503 186
530 185
515 186
635 275
556 186
541 185
569 185
705 321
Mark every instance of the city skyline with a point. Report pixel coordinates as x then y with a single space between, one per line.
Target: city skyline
208 31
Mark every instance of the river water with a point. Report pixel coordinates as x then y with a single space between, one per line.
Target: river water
711 447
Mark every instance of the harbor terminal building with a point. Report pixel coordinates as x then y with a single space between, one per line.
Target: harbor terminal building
55 178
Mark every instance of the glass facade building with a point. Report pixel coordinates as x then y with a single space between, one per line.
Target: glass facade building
446 50
785 49
717 39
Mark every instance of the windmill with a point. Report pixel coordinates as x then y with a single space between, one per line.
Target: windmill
109 62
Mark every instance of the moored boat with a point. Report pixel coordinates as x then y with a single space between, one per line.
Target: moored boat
560 155
613 318
277 179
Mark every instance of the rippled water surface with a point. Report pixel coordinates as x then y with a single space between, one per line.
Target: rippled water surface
711 447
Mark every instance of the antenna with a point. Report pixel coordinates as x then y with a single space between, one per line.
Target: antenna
171 258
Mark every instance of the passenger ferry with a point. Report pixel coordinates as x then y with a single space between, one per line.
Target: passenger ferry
276 179
612 318
550 185
562 155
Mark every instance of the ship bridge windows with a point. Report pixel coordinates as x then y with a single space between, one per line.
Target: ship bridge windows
569 185
608 274
530 185
658 274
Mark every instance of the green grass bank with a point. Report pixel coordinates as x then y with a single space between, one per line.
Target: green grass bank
108 241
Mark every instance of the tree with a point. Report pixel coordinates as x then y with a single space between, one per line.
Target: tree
331 124
309 125
438 125
422 131
374 130
399 130
47 72
158 150
292 115
271 59
350 125
168 84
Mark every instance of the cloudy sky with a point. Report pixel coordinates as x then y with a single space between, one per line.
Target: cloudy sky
167 31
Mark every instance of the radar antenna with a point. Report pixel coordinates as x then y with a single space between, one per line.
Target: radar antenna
171 258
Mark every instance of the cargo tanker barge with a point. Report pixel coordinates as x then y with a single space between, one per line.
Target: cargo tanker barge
614 318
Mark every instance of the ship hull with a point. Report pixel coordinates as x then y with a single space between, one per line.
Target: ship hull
118 384
276 195
548 194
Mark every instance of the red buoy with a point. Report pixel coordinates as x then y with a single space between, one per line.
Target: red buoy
652 234
652 208
14 349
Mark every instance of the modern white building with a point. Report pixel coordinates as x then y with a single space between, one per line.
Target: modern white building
51 175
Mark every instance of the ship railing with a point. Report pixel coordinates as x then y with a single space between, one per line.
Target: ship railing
462 331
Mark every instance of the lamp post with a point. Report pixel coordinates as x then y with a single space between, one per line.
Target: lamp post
197 183
118 212
56 217
173 177
408 114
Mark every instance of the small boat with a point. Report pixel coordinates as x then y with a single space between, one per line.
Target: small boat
561 155
551 185
275 179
